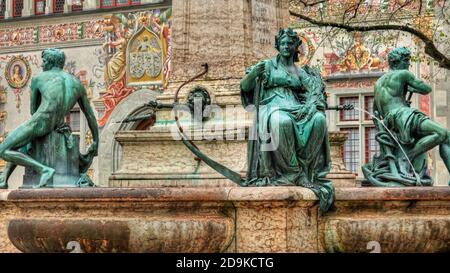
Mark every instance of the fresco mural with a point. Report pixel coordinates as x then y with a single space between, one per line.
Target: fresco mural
3 116
17 72
353 56
51 33
307 48
138 49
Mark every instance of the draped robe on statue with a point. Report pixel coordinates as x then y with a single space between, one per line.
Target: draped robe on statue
292 147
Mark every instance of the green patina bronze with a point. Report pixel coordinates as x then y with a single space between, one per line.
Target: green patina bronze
291 145
44 145
405 134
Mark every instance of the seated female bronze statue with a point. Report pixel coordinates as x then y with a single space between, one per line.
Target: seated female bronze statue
292 146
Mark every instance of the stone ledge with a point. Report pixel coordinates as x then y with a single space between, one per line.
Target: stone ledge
161 194
393 194
4 194
223 194
224 219
164 133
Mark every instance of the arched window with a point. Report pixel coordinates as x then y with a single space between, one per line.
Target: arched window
39 7
17 8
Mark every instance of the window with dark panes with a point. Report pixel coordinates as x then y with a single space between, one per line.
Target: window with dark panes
122 2
361 145
350 149
372 146
368 106
2 8
58 6
76 8
73 120
17 8
350 115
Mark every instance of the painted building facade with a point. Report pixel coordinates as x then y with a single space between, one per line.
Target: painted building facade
146 48
95 37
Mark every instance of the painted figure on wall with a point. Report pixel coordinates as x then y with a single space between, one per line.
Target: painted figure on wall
355 55
53 94
291 146
405 134
121 29
17 72
115 68
17 77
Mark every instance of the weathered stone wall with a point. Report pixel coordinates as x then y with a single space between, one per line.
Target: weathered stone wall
229 35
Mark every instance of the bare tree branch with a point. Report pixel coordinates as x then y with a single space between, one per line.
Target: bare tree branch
429 46
306 4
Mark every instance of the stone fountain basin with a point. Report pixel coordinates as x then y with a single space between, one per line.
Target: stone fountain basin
224 219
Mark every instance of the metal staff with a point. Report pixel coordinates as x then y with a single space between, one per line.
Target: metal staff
228 173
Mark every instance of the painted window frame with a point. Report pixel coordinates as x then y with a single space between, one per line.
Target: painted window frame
35 7
363 124
2 13
54 7
14 15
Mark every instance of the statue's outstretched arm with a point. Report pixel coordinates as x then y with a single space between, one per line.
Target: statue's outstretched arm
92 121
418 86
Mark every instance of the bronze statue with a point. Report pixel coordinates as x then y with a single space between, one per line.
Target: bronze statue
290 103
45 138
405 134
291 146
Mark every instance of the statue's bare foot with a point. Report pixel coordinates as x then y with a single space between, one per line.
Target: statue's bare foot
3 184
46 175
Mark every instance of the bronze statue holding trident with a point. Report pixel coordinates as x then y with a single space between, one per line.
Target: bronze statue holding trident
405 134
53 94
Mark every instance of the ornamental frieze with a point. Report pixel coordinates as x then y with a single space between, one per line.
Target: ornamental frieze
52 33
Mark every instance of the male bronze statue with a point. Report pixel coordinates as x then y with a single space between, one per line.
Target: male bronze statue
45 137
405 134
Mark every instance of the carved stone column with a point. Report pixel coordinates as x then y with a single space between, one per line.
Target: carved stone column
340 176
8 11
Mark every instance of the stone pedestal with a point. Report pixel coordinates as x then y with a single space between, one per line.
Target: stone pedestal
340 176
53 151
155 158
